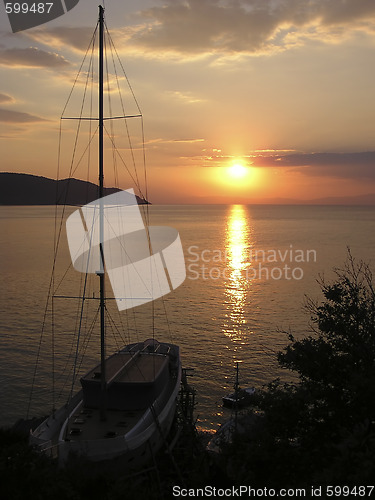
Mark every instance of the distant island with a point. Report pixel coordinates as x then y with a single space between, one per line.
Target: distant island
27 189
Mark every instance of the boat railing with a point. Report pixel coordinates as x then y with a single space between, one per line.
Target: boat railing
151 348
164 349
134 349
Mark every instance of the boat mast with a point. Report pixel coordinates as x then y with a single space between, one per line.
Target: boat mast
236 402
103 381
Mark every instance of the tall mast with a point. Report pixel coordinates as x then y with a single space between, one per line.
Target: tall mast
103 379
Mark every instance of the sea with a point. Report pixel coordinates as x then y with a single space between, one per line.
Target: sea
250 270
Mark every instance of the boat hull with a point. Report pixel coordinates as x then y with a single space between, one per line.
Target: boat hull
242 399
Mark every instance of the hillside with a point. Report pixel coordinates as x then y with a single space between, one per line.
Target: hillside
26 189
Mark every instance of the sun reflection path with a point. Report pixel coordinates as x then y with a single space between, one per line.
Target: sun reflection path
238 242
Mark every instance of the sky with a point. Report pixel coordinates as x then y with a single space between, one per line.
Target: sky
244 101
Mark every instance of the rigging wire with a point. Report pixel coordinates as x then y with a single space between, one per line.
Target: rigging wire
57 237
90 76
75 162
69 379
91 135
86 342
113 49
112 133
122 159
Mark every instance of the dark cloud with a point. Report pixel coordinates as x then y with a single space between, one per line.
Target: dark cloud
342 165
343 11
194 26
9 116
31 57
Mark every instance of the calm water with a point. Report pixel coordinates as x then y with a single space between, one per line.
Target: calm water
248 269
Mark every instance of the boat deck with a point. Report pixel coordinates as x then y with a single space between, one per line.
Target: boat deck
86 424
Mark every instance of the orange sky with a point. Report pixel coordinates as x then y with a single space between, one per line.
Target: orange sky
284 89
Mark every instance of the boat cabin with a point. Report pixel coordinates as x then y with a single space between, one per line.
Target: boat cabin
134 379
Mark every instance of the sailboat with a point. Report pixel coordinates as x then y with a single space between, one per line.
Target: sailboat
237 424
240 397
127 403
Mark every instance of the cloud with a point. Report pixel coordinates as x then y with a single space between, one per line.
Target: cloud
186 97
340 165
76 38
5 98
227 27
249 26
174 141
31 57
9 116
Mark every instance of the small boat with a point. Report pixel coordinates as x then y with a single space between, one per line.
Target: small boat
126 405
240 398
238 423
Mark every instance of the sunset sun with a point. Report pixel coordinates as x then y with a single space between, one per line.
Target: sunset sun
238 171
237 176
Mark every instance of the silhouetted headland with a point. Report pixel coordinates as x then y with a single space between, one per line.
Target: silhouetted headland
27 189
